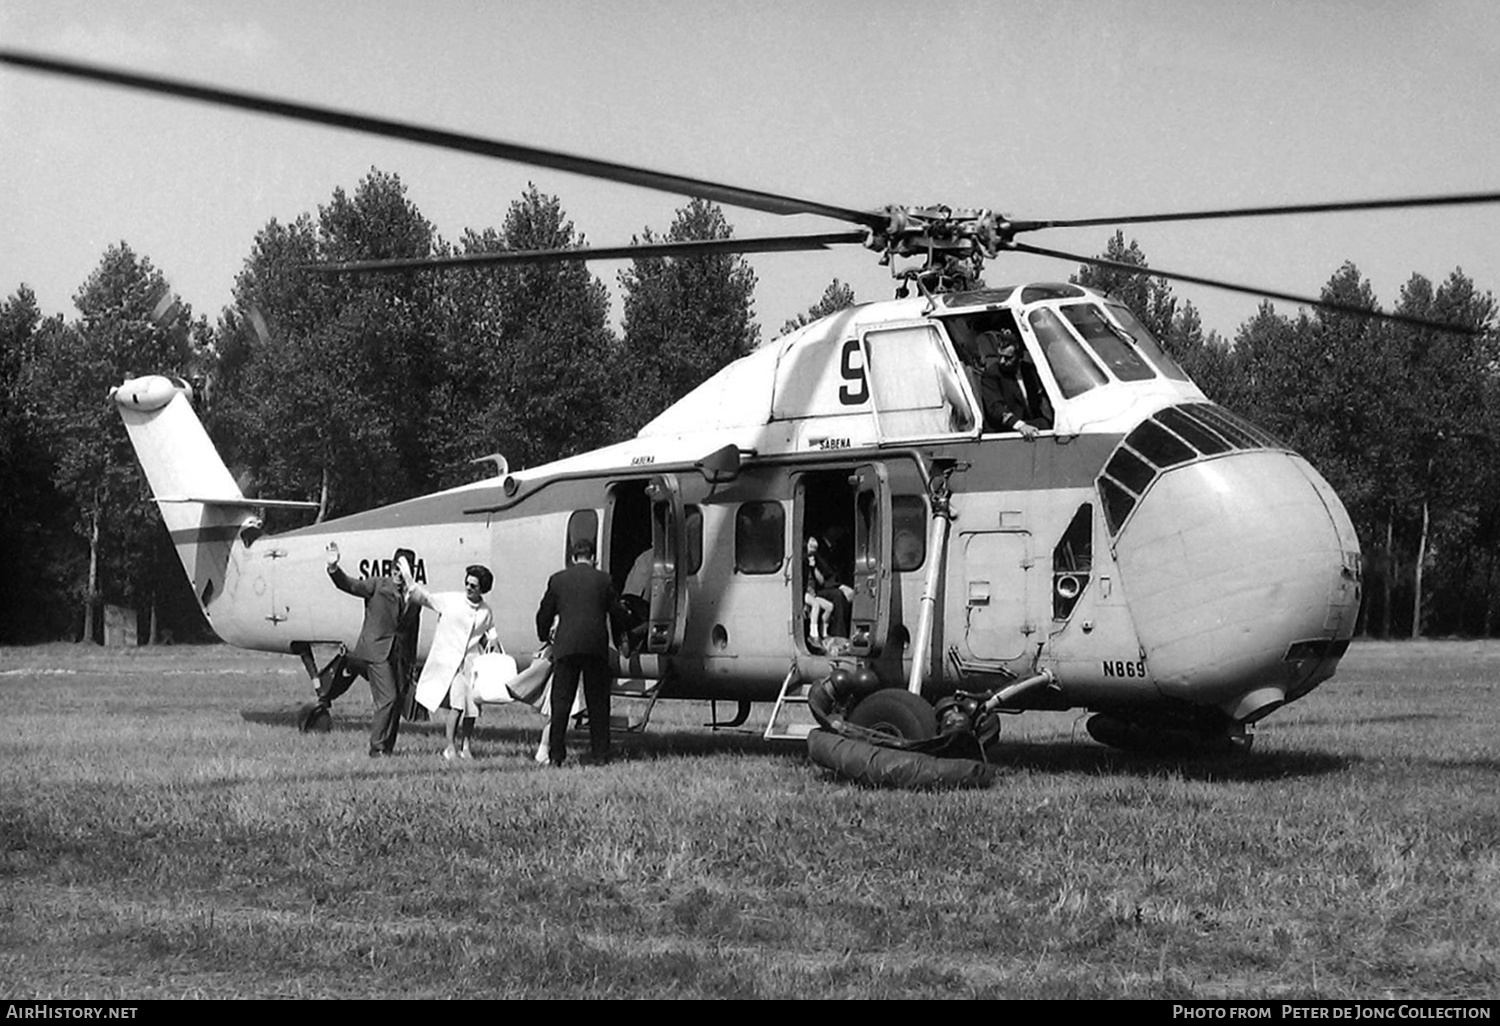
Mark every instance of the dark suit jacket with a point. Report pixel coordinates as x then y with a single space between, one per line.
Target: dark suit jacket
383 613
580 599
1004 402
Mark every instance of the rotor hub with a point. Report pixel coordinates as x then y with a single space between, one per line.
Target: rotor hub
952 243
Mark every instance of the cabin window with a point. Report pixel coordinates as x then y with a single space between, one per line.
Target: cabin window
759 538
693 518
1108 342
1074 370
584 523
915 384
908 532
1147 342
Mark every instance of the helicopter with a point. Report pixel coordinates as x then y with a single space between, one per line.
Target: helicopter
1142 554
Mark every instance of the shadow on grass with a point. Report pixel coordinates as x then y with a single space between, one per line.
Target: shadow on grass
1085 757
1050 756
656 742
1355 721
1484 765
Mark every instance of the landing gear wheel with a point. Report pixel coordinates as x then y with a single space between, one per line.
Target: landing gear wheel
896 713
314 718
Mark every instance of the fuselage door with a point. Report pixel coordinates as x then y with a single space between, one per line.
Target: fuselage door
996 567
668 598
871 609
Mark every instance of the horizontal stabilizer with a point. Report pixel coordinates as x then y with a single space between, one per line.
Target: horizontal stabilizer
240 502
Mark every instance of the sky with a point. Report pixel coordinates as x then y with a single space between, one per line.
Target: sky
1046 109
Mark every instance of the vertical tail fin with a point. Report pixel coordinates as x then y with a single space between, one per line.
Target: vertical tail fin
202 506
174 450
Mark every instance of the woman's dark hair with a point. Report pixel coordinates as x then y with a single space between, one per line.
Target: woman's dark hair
482 575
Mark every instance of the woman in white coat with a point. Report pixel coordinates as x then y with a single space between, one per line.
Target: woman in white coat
466 627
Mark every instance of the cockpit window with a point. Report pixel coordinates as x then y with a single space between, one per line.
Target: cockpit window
1159 446
1131 471
1147 342
1075 372
1171 437
915 383
1108 342
1200 436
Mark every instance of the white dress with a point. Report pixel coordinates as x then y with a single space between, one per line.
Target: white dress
449 670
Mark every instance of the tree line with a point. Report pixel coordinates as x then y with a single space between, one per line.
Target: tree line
359 390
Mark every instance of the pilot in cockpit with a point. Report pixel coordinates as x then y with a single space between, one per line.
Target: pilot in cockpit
1009 388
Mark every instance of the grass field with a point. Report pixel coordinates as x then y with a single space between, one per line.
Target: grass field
165 832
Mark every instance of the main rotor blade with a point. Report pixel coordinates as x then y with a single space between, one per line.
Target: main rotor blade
1321 304
661 181
1398 203
691 247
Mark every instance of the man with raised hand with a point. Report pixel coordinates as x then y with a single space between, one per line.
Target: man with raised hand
375 656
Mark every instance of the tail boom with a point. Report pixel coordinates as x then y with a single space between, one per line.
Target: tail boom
205 512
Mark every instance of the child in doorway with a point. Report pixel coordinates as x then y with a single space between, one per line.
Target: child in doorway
819 610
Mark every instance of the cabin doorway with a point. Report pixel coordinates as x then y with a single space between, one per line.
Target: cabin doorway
841 585
629 555
654 546
824 558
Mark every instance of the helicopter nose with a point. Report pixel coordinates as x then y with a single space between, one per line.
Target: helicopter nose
1242 576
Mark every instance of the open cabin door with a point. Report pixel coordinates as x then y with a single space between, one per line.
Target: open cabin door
668 596
870 612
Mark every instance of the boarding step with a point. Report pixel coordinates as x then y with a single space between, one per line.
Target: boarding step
785 724
640 691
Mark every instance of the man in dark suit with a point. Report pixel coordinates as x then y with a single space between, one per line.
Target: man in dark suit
1009 387
380 655
579 599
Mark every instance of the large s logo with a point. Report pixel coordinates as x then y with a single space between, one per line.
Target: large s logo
856 389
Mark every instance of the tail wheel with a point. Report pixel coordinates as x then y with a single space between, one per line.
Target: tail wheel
896 713
1229 739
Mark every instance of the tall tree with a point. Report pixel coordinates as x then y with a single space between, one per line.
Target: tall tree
530 361
325 383
837 296
684 318
32 512
1441 439
1150 298
129 325
1207 358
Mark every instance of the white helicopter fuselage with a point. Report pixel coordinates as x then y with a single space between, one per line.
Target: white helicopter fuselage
1157 557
